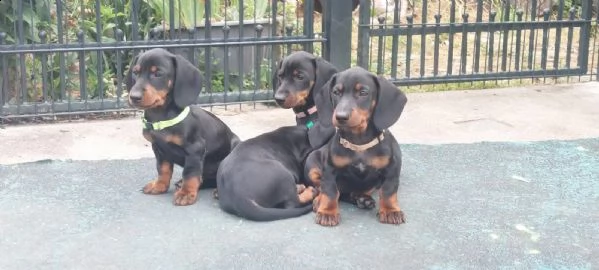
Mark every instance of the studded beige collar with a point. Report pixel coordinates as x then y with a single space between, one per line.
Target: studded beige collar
361 147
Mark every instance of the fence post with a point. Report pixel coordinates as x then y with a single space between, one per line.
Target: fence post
338 31
364 34
585 30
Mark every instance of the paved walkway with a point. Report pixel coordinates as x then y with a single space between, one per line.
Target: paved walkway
492 179
513 114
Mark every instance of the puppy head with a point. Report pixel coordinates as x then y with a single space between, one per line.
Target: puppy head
355 97
297 76
158 77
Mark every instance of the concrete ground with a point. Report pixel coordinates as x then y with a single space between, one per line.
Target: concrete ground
505 178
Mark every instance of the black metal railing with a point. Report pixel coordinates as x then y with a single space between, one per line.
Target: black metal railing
434 42
69 57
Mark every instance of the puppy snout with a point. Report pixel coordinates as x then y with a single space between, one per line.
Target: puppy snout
135 96
342 116
280 97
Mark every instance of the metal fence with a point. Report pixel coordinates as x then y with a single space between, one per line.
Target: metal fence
62 57
433 42
69 57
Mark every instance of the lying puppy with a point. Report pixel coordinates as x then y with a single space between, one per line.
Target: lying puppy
261 179
363 156
165 86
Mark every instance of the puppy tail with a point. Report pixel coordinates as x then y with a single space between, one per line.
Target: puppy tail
255 212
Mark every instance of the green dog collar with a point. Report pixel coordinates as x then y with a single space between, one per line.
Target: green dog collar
309 124
166 123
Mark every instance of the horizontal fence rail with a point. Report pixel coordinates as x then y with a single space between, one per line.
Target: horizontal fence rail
433 42
62 57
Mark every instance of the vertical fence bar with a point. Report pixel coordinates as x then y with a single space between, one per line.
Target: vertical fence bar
82 68
171 23
119 68
531 36
208 50
44 62
226 30
4 90
273 33
339 33
100 56
570 38
585 30
423 38
558 35
381 49
240 69
452 22
410 20
22 92
395 40
519 14
308 25
477 35
464 54
61 60
289 33
436 52
506 34
363 34
257 63
545 40
491 49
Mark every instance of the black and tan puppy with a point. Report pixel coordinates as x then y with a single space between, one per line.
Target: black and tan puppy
165 86
262 178
296 77
363 156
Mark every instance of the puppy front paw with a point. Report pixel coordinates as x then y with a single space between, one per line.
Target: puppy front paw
155 187
183 197
391 217
327 219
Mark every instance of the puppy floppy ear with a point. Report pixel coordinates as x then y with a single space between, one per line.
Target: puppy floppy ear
324 71
324 102
275 76
129 76
389 103
188 82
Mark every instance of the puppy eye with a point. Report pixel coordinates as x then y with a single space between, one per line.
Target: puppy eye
299 76
364 92
155 74
336 92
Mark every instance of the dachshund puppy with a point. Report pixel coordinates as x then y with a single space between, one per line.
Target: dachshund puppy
165 86
363 156
262 178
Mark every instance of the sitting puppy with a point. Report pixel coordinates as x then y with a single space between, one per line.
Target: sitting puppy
261 179
362 156
165 86
296 77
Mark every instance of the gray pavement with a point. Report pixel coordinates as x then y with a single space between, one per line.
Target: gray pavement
491 179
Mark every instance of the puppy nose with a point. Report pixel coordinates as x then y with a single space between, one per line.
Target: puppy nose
136 97
342 116
280 97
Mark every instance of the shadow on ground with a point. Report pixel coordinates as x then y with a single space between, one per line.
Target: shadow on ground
484 205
